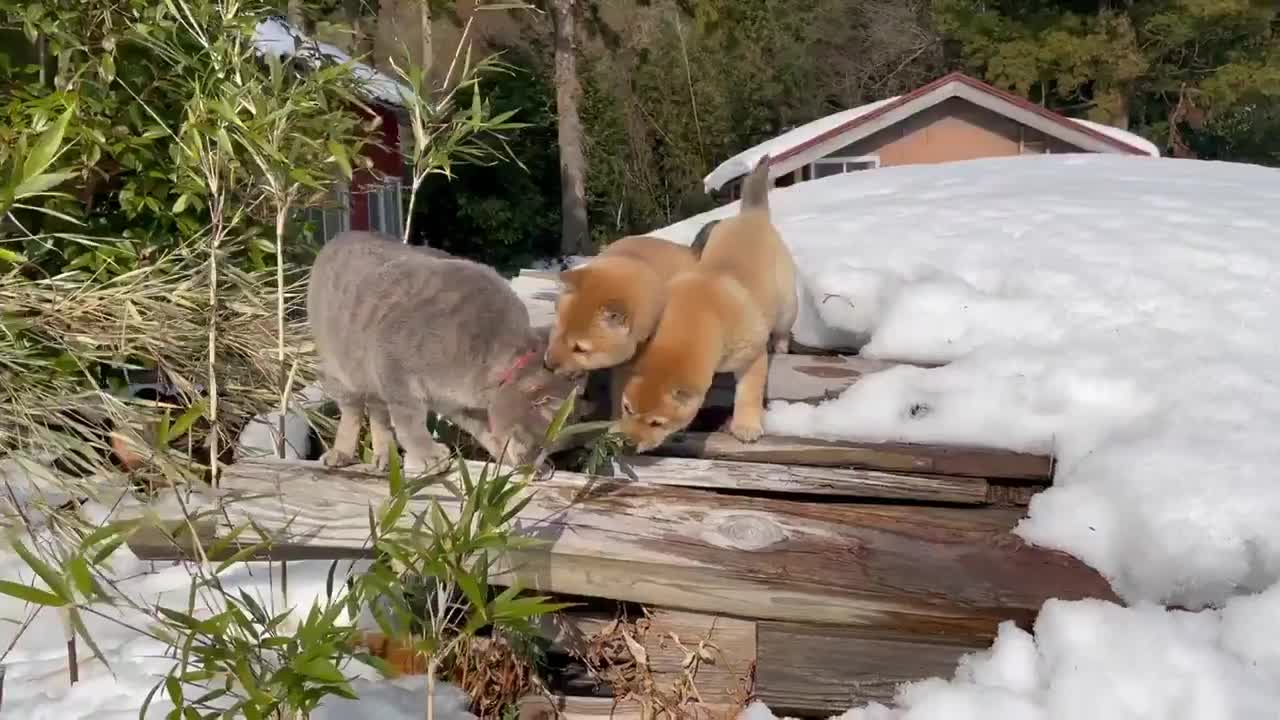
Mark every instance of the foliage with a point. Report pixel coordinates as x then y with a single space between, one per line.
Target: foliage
683 88
502 214
1185 72
237 655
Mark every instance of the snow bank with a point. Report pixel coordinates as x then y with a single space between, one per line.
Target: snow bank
1120 315
36 686
1092 660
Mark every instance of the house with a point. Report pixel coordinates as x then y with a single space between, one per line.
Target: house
952 118
373 200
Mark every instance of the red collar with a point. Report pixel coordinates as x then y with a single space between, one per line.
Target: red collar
520 362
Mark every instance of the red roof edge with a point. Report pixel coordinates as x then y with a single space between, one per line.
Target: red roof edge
941 82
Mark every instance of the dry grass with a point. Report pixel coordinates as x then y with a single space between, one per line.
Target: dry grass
57 334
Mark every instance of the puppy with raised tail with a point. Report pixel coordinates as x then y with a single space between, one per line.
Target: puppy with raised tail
610 306
723 316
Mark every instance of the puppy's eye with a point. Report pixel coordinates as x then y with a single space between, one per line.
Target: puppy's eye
656 423
626 408
580 348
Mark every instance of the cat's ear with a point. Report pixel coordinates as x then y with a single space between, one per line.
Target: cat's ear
614 316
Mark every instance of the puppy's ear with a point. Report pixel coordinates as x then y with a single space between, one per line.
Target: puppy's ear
569 279
615 317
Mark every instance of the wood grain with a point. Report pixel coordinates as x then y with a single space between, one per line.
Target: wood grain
535 707
919 569
887 457
763 478
819 670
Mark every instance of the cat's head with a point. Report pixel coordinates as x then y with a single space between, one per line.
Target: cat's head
526 402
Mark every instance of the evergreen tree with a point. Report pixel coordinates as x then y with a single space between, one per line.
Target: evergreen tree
1197 75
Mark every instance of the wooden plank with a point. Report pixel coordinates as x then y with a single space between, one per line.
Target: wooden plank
888 457
730 644
920 569
536 707
763 478
810 669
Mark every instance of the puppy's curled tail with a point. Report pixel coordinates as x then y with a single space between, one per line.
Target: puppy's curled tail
755 189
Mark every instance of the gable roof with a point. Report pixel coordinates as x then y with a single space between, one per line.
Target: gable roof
801 146
275 36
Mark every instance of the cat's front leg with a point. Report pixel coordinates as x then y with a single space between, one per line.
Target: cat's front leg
380 434
347 439
422 454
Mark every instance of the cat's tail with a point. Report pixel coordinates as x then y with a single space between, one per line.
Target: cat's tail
755 189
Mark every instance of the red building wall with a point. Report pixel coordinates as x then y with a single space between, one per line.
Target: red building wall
386 161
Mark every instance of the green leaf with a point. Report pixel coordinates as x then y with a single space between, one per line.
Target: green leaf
186 420
11 256
47 146
341 158
40 183
78 569
78 625
29 594
557 423
181 203
46 573
321 669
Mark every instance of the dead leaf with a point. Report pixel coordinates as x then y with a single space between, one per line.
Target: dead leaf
637 650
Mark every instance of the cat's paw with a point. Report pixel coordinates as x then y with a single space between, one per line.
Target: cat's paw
748 431
382 461
437 461
336 459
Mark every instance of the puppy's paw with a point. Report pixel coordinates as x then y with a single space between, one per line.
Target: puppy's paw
336 459
437 461
747 431
781 345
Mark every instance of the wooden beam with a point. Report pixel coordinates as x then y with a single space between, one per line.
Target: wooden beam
888 457
764 478
817 670
560 707
919 569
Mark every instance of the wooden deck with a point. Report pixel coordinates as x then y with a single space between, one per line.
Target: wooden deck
828 572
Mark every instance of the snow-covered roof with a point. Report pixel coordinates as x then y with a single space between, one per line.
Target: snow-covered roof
800 146
275 36
1120 315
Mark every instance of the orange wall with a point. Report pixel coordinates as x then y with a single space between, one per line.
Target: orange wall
954 129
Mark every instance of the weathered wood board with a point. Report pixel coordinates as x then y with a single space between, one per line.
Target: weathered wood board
916 569
887 457
817 670
832 482
536 707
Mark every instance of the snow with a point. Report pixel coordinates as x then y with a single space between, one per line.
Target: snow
1093 660
745 161
274 36
1122 316
36 685
1123 136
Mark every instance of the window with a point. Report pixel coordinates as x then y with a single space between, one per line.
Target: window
386 215
828 166
331 218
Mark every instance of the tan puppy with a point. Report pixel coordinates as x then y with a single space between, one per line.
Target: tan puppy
612 304
723 316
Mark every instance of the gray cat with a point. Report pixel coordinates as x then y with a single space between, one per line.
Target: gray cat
402 329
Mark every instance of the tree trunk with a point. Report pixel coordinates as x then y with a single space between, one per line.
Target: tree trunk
356 12
387 44
574 237
424 24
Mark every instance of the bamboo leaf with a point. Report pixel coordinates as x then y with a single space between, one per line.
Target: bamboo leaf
47 146
29 594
